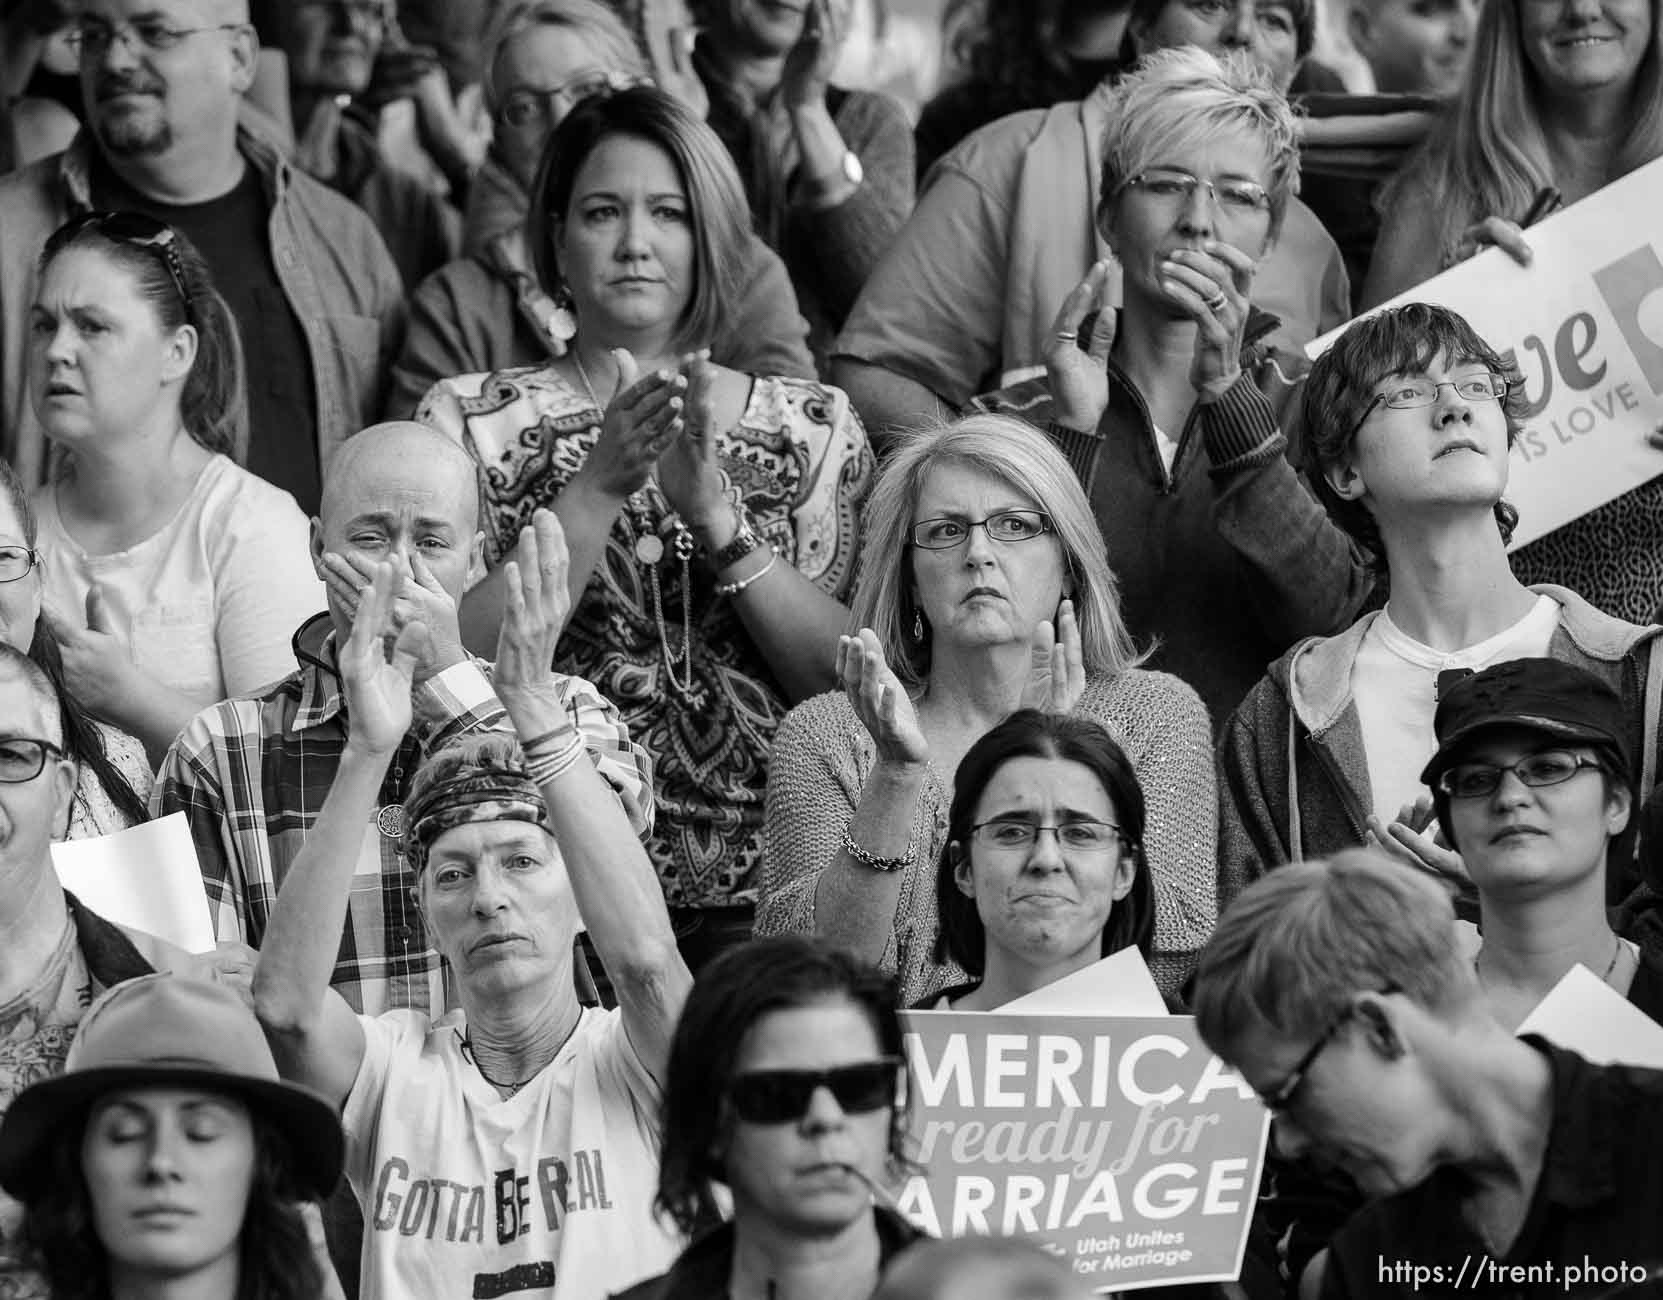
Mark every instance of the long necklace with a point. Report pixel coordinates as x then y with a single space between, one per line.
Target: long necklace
466 1043
647 544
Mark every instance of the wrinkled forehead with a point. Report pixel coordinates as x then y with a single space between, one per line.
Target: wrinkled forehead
407 484
173 13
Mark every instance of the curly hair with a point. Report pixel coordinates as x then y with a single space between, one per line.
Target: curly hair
1014 47
1340 386
278 1261
1028 733
732 993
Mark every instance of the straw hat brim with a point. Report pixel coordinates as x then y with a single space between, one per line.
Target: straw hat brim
314 1146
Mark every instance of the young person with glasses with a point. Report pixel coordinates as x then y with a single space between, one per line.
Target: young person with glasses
786 1086
1340 992
1043 873
984 589
1411 418
1164 389
172 576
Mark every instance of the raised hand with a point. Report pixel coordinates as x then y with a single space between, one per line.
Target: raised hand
538 601
879 700
643 417
1420 846
377 672
810 62
1057 676
1495 232
417 598
1080 378
689 471
1212 285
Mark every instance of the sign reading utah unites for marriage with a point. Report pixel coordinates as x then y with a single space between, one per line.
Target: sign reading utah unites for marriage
1584 322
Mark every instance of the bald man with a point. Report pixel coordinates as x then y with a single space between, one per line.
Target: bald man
250 775
318 301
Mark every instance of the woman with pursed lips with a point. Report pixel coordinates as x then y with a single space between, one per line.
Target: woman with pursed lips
984 589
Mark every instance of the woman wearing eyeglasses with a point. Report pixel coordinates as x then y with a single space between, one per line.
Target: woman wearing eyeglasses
1169 408
1043 873
983 589
173 577
786 1086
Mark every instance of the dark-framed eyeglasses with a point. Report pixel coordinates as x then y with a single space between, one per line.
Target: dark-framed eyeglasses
16 562
526 107
1279 1100
1235 195
1013 835
947 531
1412 394
135 230
784 1096
92 37
1547 767
22 758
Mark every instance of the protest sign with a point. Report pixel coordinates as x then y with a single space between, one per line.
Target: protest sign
1584 323
1592 1019
145 877
1121 1143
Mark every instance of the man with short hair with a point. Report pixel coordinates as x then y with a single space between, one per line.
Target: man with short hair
250 775
967 297
1498 1165
1409 419
1414 47
55 954
317 298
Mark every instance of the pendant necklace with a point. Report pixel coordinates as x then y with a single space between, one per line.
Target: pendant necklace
647 544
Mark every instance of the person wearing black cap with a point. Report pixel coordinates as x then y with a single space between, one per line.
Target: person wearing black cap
1532 783
169 1160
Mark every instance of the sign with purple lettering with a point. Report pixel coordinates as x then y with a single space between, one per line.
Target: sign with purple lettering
1584 322
1120 1143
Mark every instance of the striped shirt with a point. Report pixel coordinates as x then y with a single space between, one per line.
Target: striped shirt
251 775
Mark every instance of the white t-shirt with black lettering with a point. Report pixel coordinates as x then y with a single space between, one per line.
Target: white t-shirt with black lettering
547 1193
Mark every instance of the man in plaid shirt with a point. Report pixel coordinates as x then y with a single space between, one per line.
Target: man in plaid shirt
250 775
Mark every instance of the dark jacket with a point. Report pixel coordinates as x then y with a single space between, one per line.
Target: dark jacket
1226 559
704 1268
1293 778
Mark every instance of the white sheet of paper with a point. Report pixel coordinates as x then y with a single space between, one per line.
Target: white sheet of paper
1119 985
1588 1016
146 877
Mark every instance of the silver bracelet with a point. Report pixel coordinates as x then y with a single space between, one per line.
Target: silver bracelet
734 588
867 858
547 764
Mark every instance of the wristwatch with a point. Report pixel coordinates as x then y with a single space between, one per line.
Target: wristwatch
741 544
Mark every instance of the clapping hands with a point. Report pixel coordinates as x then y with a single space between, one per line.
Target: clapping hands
880 701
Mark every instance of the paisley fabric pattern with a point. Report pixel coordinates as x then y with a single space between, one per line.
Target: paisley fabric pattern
36 1029
800 462
1612 557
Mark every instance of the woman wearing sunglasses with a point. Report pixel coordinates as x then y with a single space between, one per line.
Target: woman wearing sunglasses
786 1086
983 589
173 577
1043 873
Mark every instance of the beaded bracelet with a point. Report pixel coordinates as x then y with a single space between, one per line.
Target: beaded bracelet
867 858
734 588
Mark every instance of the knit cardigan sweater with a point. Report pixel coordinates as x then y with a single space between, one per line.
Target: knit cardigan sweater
823 755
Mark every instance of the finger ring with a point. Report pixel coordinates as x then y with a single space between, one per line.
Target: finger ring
1213 304
1067 336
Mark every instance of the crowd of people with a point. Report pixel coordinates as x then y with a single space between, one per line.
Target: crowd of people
638 563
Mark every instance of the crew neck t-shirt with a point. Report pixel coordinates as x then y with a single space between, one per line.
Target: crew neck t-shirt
1394 682
546 1193
233 235
211 599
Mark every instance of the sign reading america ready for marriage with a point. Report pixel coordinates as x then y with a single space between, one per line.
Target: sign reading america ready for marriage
1120 1143
1584 323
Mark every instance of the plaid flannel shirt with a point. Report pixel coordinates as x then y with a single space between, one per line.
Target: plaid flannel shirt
251 775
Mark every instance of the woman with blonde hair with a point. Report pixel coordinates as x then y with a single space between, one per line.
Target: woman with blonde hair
1563 97
984 588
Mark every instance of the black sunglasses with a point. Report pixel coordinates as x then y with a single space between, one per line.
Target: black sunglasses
136 231
783 1096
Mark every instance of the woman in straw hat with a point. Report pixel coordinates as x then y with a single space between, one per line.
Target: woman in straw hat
169 1160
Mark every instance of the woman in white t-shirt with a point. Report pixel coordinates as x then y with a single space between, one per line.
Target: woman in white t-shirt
173 577
511 1145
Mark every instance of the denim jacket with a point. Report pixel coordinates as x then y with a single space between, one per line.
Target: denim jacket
330 260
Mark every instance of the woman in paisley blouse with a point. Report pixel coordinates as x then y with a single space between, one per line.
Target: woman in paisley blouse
711 515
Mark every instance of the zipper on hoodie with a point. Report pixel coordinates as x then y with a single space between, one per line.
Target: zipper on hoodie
1167 482
1325 760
